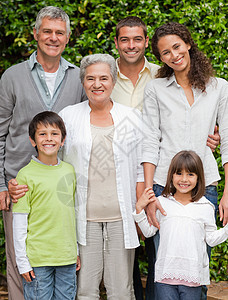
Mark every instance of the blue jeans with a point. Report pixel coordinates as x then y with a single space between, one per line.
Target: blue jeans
177 292
52 283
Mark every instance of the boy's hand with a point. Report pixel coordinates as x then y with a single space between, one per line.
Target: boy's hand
29 276
146 198
4 200
78 264
16 191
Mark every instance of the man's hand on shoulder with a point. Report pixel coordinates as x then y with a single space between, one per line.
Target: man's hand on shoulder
213 140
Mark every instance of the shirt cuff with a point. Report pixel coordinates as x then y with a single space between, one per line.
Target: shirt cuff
139 217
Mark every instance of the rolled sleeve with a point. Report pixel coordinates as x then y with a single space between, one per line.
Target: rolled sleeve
151 121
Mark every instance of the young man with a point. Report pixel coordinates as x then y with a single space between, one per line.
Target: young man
44 219
134 72
45 82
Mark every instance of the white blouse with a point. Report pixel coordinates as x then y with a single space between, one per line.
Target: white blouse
172 125
126 144
184 232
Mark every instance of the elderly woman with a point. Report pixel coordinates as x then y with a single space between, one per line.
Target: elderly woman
103 145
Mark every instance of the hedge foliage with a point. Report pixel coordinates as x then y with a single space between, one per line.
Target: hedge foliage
92 25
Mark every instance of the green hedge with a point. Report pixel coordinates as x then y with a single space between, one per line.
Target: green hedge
93 23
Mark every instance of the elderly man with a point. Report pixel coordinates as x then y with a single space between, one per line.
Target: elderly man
45 82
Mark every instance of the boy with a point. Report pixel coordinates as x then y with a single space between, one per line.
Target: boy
44 219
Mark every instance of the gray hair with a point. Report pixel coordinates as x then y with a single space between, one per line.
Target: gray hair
52 12
95 59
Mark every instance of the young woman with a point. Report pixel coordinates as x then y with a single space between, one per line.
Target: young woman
181 107
182 265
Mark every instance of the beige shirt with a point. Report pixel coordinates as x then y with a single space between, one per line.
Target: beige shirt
102 201
126 93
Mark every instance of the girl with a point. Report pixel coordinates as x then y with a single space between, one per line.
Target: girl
182 264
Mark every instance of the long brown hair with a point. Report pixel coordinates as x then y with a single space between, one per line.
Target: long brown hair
200 69
191 162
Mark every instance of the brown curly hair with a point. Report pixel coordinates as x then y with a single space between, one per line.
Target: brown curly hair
200 69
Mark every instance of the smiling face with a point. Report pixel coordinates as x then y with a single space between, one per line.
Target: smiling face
131 44
174 52
184 182
48 140
51 39
98 83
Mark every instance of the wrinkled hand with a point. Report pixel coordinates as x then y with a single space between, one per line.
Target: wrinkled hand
16 191
4 200
213 140
78 264
27 276
151 213
223 209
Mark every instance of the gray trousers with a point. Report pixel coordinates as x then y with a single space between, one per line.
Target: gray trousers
105 256
14 279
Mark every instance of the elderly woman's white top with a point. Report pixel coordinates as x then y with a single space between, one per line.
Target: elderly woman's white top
184 232
127 157
172 125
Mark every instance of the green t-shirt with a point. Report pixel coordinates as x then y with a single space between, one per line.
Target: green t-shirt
49 203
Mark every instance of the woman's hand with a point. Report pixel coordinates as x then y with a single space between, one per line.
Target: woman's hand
151 212
223 209
16 191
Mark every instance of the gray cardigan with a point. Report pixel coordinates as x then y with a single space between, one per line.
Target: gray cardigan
20 101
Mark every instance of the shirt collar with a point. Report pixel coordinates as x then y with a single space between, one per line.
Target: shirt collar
171 79
111 110
146 66
202 200
40 162
64 64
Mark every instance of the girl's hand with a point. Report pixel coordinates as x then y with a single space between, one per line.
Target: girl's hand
29 276
146 198
78 264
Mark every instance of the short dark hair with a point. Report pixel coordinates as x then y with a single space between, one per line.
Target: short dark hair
191 162
47 118
131 21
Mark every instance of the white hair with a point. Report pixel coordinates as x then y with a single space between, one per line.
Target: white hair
52 12
95 59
